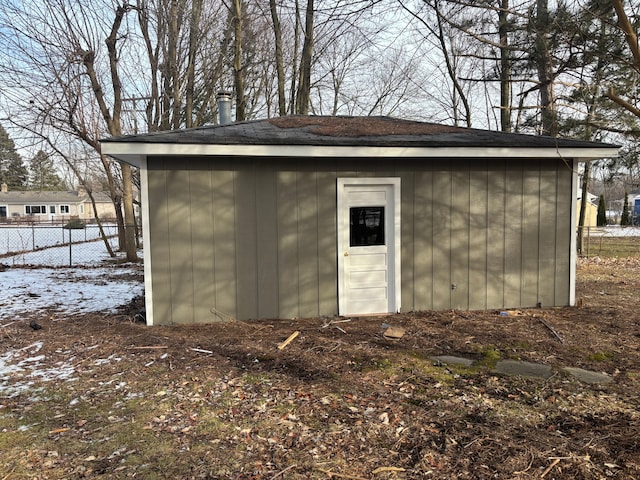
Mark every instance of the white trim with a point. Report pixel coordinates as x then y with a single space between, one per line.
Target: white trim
396 287
146 238
134 152
573 254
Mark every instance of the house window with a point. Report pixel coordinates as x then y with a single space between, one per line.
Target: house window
35 209
367 226
64 209
52 209
81 209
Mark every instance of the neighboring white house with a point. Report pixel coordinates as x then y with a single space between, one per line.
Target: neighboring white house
56 206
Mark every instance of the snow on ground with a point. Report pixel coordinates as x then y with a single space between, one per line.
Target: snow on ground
22 369
66 290
616 231
101 287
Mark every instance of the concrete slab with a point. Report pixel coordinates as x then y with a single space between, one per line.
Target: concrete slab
525 369
587 376
452 360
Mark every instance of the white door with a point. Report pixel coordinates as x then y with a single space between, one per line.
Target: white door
368 245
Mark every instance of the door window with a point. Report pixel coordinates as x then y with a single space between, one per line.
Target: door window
366 226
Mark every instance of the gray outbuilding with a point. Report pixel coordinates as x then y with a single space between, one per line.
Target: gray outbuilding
319 216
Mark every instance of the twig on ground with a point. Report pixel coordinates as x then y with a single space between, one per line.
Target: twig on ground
149 347
201 350
222 315
550 467
333 322
388 469
9 474
340 475
555 334
283 471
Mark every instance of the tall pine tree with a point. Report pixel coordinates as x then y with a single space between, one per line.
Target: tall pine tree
625 219
602 212
43 175
12 169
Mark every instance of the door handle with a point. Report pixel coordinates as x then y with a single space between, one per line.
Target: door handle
346 254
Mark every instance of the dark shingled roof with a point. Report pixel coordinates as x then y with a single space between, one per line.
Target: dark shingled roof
348 131
36 197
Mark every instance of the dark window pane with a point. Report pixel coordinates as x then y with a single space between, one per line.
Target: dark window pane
367 226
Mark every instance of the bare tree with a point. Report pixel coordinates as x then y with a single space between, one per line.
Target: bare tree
58 51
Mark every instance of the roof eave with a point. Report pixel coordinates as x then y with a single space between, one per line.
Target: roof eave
133 153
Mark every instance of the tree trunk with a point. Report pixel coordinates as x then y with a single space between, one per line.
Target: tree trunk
115 129
583 206
129 221
238 74
191 65
173 74
277 33
545 70
505 67
296 48
451 70
153 105
304 84
103 236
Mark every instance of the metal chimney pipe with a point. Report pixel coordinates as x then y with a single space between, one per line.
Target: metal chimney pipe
224 107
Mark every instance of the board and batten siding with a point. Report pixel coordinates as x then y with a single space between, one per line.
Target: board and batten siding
256 238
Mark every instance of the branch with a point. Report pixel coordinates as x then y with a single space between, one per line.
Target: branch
629 33
623 103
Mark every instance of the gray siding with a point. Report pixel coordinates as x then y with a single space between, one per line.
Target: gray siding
256 238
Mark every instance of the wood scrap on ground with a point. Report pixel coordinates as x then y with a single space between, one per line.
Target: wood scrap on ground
288 340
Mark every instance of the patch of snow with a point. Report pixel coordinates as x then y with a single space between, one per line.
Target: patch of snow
109 359
67 290
16 365
617 231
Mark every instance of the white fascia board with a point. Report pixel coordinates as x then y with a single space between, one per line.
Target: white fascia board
146 235
573 250
133 152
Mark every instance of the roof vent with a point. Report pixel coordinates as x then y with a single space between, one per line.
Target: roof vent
224 107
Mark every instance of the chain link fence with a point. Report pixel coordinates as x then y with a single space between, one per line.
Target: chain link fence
610 241
72 244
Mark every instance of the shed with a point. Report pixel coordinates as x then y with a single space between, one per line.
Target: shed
319 216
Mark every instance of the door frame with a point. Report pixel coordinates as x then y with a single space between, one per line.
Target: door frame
393 237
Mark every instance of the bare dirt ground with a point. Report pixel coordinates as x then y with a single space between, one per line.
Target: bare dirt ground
101 396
